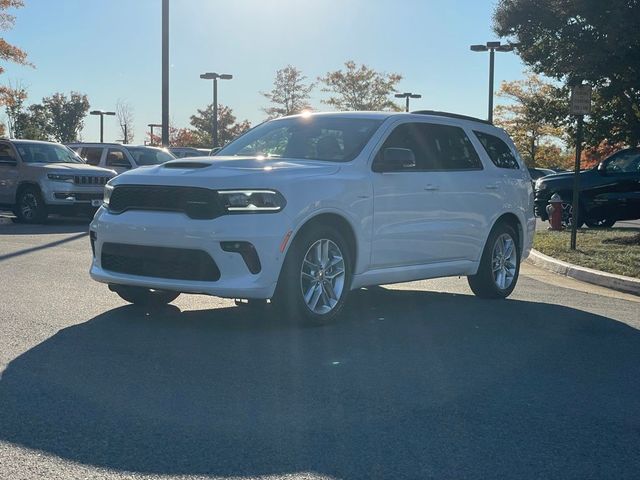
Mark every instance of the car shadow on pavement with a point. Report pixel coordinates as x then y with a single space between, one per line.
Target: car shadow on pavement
410 385
53 225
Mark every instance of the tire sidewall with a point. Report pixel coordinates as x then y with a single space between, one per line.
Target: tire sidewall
484 277
40 213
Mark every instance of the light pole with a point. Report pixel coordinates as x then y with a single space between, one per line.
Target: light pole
165 73
407 96
215 76
492 47
102 113
152 126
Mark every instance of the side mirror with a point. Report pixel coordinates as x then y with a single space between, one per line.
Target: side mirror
394 159
602 168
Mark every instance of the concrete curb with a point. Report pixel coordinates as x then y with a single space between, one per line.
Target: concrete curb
596 277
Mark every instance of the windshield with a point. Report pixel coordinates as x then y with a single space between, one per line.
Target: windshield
337 139
47 153
149 155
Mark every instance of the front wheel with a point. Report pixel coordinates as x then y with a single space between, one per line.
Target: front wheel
144 296
30 206
599 222
499 266
316 276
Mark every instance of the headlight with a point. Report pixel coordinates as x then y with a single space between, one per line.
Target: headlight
252 201
108 190
60 178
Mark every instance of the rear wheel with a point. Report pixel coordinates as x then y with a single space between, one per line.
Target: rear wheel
316 276
499 266
599 222
30 206
146 297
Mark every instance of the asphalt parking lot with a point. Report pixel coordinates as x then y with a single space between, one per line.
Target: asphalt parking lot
419 380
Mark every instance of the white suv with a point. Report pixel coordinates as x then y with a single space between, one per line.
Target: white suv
121 157
303 209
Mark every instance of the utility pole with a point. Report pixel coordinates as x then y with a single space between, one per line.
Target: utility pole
102 113
215 76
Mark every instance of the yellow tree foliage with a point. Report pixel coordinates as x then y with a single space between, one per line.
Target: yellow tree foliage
528 119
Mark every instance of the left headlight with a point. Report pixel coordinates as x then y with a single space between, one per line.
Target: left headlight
60 178
252 201
108 190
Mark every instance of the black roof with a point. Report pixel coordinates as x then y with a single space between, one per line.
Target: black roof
452 115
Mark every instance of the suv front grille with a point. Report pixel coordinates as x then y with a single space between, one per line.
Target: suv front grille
197 203
90 180
159 262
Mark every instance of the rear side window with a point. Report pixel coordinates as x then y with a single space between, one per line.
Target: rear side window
436 147
116 158
498 151
92 155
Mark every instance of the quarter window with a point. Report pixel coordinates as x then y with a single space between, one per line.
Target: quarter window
116 158
498 151
436 147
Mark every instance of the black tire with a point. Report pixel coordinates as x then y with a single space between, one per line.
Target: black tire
599 222
144 297
483 283
289 297
30 206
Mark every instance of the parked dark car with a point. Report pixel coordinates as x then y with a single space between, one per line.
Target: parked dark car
181 152
608 193
537 173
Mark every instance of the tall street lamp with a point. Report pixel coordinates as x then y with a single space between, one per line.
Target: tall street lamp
102 113
165 73
152 126
407 96
215 76
492 47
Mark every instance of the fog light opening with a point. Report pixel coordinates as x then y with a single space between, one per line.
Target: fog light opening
248 253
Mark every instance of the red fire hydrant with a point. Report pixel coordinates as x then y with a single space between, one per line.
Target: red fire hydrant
554 212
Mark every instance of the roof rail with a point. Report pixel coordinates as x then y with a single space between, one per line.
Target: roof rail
452 115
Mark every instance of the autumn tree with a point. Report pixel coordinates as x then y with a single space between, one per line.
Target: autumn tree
360 88
13 98
583 40
34 123
532 118
67 115
228 128
290 93
8 52
124 114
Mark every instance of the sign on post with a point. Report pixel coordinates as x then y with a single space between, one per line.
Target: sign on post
580 100
580 106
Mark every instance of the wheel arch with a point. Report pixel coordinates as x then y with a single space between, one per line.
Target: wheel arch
336 220
513 221
24 184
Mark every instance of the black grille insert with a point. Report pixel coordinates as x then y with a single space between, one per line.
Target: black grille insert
160 262
197 203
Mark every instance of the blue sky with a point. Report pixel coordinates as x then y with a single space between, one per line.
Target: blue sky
110 50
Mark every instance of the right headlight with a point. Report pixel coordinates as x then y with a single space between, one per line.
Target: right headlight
108 190
252 201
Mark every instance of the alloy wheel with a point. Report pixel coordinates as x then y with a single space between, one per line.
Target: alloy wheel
322 276
28 206
503 261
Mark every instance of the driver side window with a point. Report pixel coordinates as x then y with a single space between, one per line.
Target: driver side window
626 162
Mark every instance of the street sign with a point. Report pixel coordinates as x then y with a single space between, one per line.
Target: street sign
580 100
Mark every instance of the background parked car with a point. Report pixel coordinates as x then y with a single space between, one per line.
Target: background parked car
181 152
38 178
537 173
608 193
121 157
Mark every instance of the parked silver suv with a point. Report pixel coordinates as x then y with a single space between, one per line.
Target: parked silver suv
120 157
38 178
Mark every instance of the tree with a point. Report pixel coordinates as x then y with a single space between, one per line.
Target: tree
8 52
13 98
360 88
124 114
34 123
67 115
530 118
290 93
228 129
584 40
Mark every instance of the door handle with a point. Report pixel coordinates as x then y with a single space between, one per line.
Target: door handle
432 188
491 186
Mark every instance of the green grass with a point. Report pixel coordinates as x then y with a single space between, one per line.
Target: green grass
595 250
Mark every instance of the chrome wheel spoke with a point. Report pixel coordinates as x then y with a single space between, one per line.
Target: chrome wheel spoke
504 261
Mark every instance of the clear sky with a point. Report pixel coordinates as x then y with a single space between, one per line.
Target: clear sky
111 49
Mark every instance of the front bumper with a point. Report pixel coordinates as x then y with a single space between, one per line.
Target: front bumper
175 230
68 194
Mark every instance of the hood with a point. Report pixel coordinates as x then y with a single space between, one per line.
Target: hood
228 172
72 168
